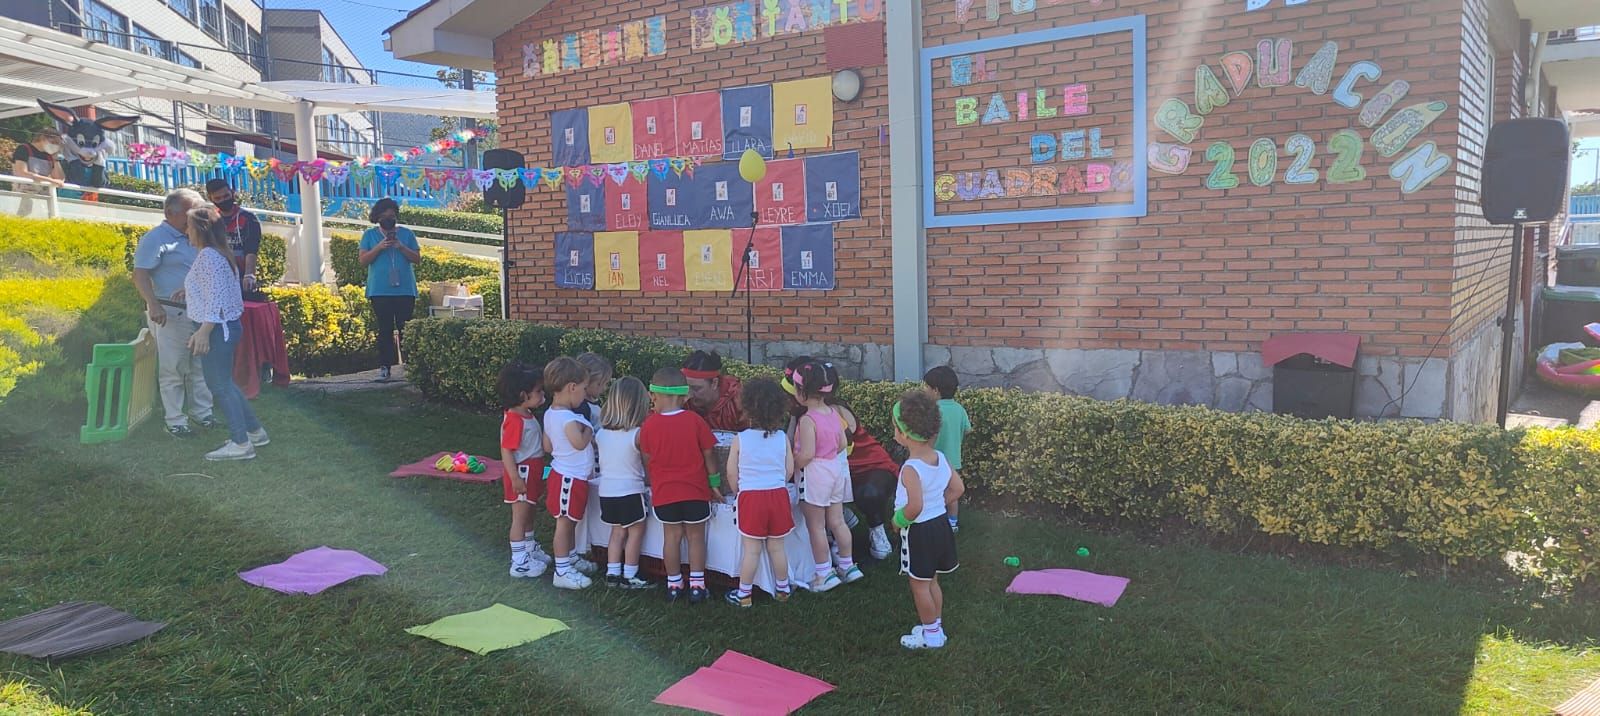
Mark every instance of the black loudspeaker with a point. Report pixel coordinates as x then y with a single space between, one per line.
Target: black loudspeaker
1525 170
499 197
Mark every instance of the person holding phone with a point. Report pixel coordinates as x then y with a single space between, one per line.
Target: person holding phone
389 252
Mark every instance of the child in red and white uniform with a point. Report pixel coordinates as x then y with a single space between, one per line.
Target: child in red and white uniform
760 464
927 542
521 389
676 445
570 440
819 452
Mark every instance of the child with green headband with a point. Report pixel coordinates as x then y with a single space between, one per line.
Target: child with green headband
676 446
927 544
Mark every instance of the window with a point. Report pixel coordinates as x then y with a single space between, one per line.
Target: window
211 18
147 44
186 8
238 40
105 25
258 50
329 66
183 58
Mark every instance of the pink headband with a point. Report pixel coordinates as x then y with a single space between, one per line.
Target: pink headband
795 377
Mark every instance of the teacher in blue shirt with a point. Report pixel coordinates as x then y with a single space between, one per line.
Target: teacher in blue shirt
389 251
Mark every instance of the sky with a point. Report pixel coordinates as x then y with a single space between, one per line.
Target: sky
1586 161
361 24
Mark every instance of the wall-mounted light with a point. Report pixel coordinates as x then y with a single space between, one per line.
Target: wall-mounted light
846 85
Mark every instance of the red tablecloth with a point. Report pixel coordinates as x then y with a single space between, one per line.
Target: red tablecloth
261 345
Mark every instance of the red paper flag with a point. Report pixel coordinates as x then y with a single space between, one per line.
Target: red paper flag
661 261
655 128
766 262
699 118
781 195
627 205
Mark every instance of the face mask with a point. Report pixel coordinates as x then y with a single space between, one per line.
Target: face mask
386 222
52 148
228 204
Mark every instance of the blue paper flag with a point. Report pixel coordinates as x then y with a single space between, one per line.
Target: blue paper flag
747 121
586 207
833 187
575 260
670 202
808 257
719 198
569 135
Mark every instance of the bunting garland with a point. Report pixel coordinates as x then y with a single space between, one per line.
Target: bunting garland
387 171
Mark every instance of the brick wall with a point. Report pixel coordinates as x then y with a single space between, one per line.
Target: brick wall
858 311
1212 270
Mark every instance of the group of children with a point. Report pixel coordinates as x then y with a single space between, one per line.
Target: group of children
650 454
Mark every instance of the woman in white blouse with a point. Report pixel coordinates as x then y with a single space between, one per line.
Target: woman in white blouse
212 292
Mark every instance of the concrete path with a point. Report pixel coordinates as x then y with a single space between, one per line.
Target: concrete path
365 380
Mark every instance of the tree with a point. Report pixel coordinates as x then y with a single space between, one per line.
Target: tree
452 79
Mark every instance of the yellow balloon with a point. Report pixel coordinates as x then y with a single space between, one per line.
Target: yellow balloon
752 167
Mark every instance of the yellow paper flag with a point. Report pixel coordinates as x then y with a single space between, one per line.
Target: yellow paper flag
611 133
616 261
802 114
706 266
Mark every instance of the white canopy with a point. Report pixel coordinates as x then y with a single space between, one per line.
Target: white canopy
336 98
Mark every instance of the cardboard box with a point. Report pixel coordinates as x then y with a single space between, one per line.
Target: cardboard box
439 289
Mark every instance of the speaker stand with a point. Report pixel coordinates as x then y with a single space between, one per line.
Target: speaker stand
505 263
749 301
1508 325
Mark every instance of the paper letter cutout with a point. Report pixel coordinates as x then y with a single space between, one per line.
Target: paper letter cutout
1405 125
1208 91
1174 118
1239 67
966 110
1319 71
1272 62
1168 158
1382 102
1345 95
1419 168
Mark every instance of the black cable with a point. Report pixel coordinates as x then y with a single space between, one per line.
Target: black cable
1482 274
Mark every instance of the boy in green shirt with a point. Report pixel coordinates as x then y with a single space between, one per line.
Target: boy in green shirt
941 383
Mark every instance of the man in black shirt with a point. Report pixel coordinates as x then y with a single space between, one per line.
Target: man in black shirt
244 231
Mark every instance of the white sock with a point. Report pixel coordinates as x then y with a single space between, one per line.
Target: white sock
564 566
519 553
613 569
630 571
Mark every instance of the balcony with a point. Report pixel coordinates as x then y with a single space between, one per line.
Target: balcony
1571 61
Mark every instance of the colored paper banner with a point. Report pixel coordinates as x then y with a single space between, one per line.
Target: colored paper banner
670 202
569 130
781 195
627 205
586 207
699 123
808 257
705 260
574 260
655 128
747 121
833 187
610 133
661 261
616 256
766 259
719 197
802 114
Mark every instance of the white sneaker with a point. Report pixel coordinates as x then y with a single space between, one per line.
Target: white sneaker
537 554
824 583
572 580
531 568
880 542
584 565
853 574
259 438
917 640
232 451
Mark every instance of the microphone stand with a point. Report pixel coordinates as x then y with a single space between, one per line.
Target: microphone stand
749 301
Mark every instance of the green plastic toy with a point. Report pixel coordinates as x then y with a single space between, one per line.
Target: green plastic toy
1013 562
1083 551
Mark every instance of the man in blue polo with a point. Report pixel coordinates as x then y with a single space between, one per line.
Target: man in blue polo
160 262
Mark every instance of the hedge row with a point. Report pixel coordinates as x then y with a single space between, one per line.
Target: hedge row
437 264
1463 492
419 219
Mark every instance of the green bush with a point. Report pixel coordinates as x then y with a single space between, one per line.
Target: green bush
326 331
124 182
437 264
419 219
1465 493
272 259
35 246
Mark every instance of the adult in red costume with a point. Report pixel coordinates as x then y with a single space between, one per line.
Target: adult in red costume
713 395
873 472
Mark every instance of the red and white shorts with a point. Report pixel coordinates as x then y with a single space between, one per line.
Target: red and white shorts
763 514
566 496
531 471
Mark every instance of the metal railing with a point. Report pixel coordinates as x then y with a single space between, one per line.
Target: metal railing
173 177
44 201
1583 219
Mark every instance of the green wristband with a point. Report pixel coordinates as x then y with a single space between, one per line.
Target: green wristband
900 520
715 479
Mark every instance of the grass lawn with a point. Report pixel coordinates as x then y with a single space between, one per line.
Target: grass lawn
149 527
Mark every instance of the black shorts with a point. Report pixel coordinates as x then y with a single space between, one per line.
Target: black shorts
688 512
625 511
928 549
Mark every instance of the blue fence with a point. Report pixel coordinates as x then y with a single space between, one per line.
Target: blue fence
337 196
1584 204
